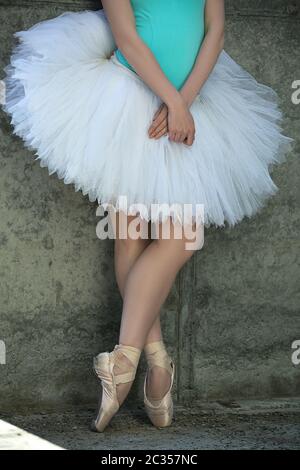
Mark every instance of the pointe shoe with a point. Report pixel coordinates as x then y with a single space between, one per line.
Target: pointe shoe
104 368
160 412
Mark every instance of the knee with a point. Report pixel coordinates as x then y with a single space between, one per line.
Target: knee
179 250
187 251
186 240
130 246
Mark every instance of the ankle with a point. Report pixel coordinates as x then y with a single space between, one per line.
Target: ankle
122 364
153 347
126 356
159 342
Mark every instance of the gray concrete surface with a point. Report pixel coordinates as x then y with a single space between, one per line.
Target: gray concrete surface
230 319
215 426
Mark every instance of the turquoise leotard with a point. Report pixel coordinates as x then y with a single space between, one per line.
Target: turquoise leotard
173 30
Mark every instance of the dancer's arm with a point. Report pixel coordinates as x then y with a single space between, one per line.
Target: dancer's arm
208 55
141 58
212 45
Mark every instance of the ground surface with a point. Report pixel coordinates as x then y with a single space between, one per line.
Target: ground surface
244 425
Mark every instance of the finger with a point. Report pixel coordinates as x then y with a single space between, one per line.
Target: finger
158 112
164 131
183 136
159 128
172 136
162 112
177 137
160 119
190 139
155 117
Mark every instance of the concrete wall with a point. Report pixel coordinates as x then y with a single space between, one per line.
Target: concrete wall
232 315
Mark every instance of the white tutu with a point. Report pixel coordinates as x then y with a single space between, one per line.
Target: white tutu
87 118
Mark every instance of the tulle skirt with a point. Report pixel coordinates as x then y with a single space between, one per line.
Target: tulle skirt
86 116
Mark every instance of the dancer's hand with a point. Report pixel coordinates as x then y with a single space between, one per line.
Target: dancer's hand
159 126
181 126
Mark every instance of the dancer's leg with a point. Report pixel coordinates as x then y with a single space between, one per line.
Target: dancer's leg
147 286
126 252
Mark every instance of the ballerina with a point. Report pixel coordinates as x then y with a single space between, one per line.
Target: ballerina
141 101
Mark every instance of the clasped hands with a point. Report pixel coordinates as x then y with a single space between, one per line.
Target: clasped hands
176 121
